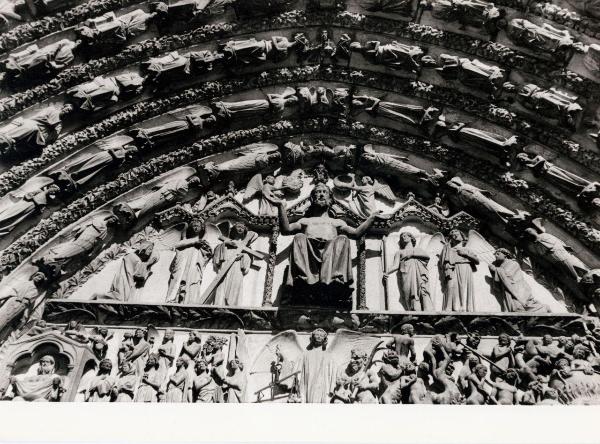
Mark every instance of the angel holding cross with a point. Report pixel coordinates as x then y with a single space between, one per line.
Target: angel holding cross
232 260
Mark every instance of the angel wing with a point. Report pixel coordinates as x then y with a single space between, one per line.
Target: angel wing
167 239
283 350
483 249
383 190
485 300
212 234
433 245
347 340
254 187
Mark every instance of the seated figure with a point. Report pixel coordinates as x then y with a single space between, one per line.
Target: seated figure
320 270
45 386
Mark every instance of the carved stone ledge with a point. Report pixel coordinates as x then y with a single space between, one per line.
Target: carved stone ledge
307 319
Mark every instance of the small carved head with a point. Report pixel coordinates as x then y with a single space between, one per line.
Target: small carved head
531 234
194 336
366 180
407 329
406 239
456 237
391 357
66 109
502 254
238 231
181 362
47 365
437 341
201 366
503 339
168 336
52 192
473 361
270 180
580 351
547 339
480 371
511 376
139 333
127 368
197 227
320 195
236 364
152 360
105 366
550 393
144 250
318 338
423 368
563 366
38 278
358 359
473 340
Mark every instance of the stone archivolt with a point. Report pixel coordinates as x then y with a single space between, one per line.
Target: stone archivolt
358 215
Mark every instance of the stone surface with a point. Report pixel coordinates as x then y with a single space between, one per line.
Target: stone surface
312 201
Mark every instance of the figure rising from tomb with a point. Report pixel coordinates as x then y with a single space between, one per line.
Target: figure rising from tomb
101 386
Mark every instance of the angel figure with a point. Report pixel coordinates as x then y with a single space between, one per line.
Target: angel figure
251 159
458 263
480 200
364 203
555 251
316 365
30 198
411 262
133 272
232 261
509 281
192 254
171 189
81 240
270 195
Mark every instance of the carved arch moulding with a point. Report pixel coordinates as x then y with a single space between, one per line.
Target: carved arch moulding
345 201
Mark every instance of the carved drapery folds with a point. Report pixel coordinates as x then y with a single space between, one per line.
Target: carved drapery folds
339 203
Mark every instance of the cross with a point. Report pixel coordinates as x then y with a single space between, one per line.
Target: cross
209 297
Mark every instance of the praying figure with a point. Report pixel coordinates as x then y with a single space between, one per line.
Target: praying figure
320 254
509 281
458 265
101 386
